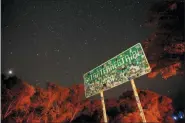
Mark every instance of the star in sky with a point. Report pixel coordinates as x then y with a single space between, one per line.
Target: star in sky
10 72
41 36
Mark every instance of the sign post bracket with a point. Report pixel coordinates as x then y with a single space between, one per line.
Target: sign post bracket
138 101
103 107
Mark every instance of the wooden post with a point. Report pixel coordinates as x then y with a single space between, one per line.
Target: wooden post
103 107
138 101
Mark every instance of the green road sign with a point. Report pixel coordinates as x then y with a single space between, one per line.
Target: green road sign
127 65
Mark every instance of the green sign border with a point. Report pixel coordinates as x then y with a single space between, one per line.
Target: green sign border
114 58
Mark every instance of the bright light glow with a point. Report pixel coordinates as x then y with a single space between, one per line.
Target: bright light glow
181 115
10 72
174 117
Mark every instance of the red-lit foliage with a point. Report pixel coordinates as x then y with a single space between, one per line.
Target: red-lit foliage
165 48
165 51
25 103
166 72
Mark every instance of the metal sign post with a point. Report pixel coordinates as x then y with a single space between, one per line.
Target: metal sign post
103 107
138 101
131 63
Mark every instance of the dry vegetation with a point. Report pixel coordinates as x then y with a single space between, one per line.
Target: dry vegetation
22 102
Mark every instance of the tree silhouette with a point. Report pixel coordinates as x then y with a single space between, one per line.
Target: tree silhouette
165 49
25 103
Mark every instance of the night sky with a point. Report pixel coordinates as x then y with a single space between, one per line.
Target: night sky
60 40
